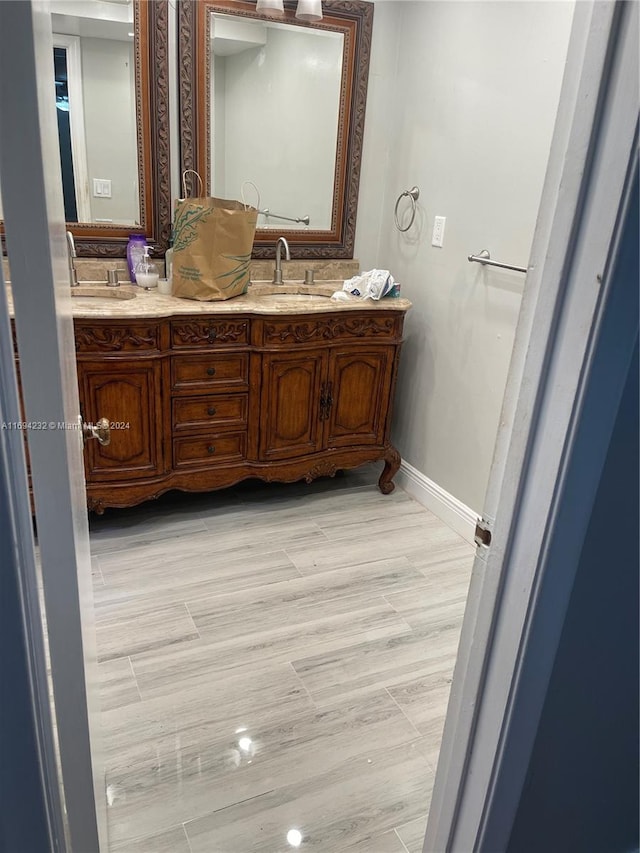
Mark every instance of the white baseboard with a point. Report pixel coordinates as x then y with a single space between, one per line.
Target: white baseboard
453 512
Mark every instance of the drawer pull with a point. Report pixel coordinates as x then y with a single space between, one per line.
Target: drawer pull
211 371
211 334
211 448
211 411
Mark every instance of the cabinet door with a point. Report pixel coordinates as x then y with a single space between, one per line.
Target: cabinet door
290 404
128 395
359 388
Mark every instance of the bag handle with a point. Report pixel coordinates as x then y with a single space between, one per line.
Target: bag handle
251 184
184 182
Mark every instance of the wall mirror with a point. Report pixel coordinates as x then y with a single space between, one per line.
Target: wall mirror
280 103
110 78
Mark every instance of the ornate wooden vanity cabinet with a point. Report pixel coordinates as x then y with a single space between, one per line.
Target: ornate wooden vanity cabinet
202 402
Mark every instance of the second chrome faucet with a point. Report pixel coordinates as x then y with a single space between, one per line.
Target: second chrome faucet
277 273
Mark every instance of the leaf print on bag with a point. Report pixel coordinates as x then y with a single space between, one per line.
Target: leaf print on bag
239 272
185 231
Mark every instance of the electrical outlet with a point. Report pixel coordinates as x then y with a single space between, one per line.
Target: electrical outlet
437 238
101 188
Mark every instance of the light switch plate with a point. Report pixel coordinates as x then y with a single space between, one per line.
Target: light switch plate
101 188
437 238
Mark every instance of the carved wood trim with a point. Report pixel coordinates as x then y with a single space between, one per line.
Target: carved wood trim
103 495
186 83
114 338
352 17
358 327
160 130
194 333
325 468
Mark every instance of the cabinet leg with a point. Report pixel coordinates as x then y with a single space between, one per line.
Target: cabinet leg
96 506
391 465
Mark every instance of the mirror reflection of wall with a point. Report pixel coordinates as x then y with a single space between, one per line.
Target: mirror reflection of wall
275 92
101 148
110 127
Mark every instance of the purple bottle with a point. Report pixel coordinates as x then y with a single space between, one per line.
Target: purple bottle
135 251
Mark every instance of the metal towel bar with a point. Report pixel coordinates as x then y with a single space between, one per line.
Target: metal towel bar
267 212
484 257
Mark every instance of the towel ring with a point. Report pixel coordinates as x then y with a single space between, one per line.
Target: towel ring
414 195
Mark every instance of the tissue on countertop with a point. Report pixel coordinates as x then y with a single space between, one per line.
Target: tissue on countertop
341 296
370 285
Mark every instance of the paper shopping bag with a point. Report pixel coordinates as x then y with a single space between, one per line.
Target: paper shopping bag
213 240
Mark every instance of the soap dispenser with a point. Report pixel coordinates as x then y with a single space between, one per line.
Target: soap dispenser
146 271
134 253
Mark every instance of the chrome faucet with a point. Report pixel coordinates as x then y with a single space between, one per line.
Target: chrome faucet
277 273
71 252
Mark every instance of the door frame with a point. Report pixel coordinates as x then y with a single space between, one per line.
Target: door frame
32 799
35 237
577 330
76 123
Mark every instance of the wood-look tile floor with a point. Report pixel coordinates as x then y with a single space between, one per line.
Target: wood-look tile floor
275 657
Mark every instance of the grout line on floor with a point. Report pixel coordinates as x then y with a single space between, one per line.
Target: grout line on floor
320 531
186 835
395 610
186 607
413 726
293 565
395 829
303 685
135 678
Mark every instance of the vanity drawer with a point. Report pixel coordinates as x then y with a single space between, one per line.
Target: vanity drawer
209 371
322 328
112 338
186 334
220 411
209 449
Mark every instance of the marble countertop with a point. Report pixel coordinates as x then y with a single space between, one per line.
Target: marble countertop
292 297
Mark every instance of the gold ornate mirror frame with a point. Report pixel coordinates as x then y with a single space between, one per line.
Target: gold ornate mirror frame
352 18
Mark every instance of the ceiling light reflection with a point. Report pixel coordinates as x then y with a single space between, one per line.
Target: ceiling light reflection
294 837
245 744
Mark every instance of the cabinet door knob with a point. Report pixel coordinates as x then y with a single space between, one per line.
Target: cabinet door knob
211 448
211 371
100 430
211 410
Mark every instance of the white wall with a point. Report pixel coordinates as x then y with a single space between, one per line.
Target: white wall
462 103
110 126
218 127
281 119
